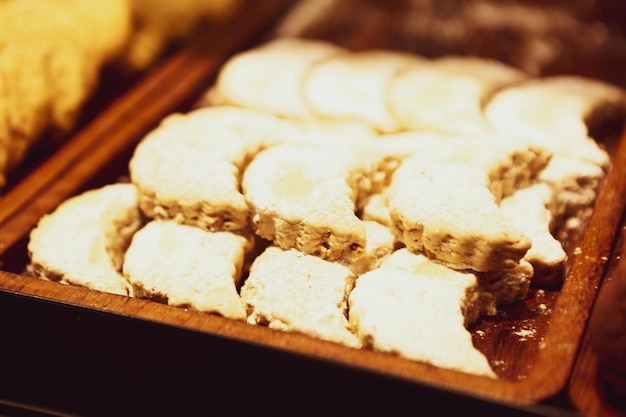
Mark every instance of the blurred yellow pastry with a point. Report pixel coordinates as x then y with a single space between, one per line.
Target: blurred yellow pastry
52 53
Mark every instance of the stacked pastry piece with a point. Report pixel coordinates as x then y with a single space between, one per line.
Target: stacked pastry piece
373 199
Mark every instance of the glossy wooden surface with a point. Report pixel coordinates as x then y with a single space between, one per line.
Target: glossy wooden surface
587 390
534 372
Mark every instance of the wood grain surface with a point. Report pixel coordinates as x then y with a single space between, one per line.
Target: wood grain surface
587 391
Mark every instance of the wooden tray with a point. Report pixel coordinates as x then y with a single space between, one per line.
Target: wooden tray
532 344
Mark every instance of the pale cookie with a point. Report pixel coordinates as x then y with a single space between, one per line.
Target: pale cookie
353 86
300 197
447 94
269 77
290 291
418 311
447 211
83 241
528 209
558 113
188 168
185 266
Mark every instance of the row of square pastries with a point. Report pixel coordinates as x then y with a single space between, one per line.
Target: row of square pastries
394 93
